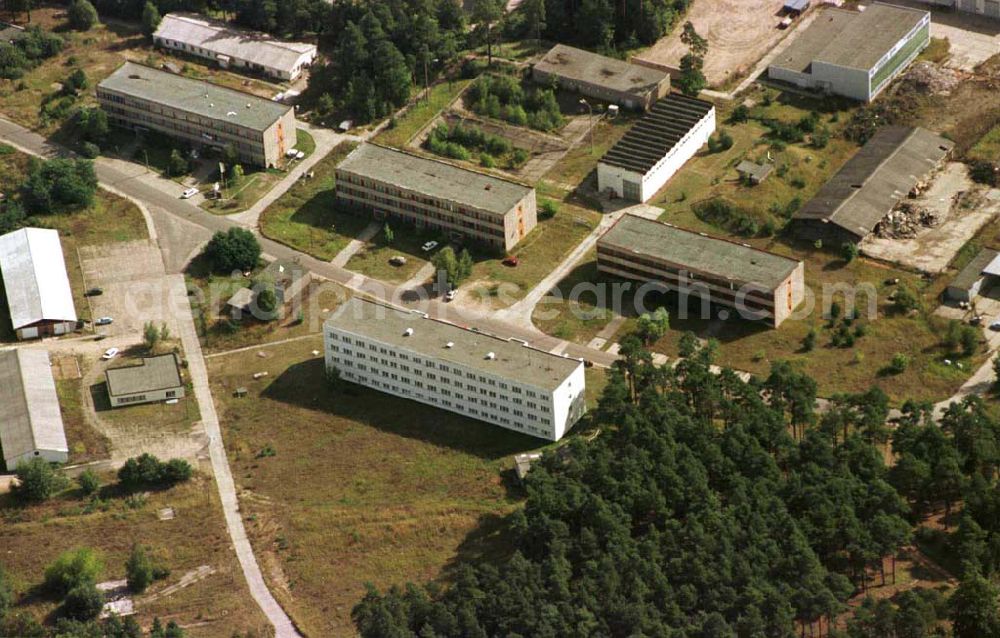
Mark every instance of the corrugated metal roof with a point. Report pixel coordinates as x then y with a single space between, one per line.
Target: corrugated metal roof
656 134
872 182
975 269
222 38
429 337
29 406
195 96
434 178
154 373
698 253
34 277
584 66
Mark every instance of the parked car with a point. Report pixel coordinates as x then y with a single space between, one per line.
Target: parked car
448 296
189 193
300 155
291 153
94 292
995 325
397 260
104 321
511 261
110 354
429 246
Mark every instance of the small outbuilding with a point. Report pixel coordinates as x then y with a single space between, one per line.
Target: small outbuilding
31 424
155 379
753 172
523 462
796 7
975 278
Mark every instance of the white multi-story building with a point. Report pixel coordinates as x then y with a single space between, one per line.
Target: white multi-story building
646 157
502 382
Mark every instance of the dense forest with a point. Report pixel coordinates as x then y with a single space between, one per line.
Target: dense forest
708 507
608 25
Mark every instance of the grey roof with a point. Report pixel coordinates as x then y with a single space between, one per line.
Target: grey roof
513 360
856 40
755 170
154 373
222 38
434 178
195 96
974 270
872 182
796 5
699 253
29 406
34 277
584 66
656 134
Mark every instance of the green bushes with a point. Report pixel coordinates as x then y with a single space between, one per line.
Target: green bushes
149 471
72 569
462 142
719 212
503 97
235 249
722 141
25 53
37 481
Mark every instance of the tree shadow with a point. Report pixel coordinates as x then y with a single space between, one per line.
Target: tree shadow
305 385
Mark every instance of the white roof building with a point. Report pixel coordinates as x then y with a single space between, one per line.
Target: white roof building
35 280
30 422
231 47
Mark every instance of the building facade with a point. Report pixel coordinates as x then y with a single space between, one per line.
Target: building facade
155 379
988 8
31 424
199 113
602 78
498 381
854 54
759 285
39 296
428 193
659 144
233 48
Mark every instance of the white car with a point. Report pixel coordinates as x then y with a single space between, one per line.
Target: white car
110 354
429 246
189 193
448 296
104 321
995 325
300 155
291 153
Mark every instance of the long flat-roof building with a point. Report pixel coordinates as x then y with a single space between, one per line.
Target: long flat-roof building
656 147
871 184
758 284
31 424
978 275
600 77
854 54
429 193
199 113
988 8
499 381
39 296
154 379
233 48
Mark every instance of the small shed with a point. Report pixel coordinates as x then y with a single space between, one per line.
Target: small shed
796 7
155 379
968 283
522 464
753 172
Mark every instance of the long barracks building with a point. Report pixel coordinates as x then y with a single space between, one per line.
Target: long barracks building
200 113
430 193
499 381
759 284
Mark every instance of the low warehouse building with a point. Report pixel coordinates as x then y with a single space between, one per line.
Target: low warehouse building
870 185
499 381
646 157
233 48
31 424
429 193
976 277
988 8
39 296
155 379
854 54
602 78
201 114
758 284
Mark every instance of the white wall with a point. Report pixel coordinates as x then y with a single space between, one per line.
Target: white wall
52 456
613 177
568 402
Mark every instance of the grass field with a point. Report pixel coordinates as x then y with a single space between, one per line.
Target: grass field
85 443
373 259
418 115
582 159
362 487
988 147
307 217
216 607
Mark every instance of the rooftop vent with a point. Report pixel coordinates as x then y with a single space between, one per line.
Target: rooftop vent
248 105
487 187
408 332
450 344
231 114
135 77
490 356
